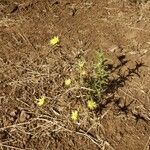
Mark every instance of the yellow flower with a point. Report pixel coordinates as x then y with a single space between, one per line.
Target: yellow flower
74 115
91 104
81 64
83 72
67 82
41 101
55 40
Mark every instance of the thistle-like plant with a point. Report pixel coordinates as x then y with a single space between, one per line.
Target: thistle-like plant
98 79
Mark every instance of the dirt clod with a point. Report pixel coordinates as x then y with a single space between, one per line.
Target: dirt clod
23 116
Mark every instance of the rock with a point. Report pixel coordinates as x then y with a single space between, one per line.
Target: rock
23 116
13 113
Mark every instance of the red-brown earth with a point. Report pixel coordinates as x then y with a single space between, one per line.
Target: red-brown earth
30 67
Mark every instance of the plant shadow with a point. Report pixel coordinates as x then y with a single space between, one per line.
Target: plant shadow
113 85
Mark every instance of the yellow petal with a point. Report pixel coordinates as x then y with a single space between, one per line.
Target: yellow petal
74 115
67 82
83 72
81 64
55 40
91 104
41 101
